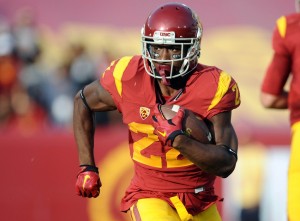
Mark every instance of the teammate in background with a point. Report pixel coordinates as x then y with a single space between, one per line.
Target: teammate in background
174 175
285 63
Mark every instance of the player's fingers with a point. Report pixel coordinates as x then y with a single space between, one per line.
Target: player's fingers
85 193
95 193
158 112
159 117
180 113
89 195
179 116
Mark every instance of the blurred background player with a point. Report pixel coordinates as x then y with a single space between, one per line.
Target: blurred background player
174 174
286 63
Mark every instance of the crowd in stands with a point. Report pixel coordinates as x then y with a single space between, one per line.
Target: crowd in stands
35 96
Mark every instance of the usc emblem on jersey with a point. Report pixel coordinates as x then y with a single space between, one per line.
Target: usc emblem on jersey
144 112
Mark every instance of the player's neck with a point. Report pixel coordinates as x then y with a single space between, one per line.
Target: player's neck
167 90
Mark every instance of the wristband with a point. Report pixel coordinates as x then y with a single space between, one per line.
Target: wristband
86 167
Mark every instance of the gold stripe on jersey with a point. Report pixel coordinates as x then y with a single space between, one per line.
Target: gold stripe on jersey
281 25
118 72
223 85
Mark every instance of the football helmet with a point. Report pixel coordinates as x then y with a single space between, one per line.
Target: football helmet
172 24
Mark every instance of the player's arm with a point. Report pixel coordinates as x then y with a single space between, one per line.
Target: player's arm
88 100
274 101
218 159
272 93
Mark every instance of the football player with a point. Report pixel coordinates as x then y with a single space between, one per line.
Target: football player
174 174
285 63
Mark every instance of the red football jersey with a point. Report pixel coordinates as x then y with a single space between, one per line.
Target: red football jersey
286 61
161 171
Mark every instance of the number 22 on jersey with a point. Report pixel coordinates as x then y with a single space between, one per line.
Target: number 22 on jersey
171 156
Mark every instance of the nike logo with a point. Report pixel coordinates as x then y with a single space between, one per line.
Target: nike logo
86 178
162 134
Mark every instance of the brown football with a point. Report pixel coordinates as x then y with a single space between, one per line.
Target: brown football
193 125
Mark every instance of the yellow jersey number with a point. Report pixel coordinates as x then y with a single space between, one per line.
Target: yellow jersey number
237 94
172 160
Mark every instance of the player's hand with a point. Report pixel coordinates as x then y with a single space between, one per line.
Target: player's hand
167 130
88 182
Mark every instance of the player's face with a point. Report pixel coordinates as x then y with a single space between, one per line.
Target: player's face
166 53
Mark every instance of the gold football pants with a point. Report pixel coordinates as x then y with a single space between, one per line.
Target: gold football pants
150 209
293 201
